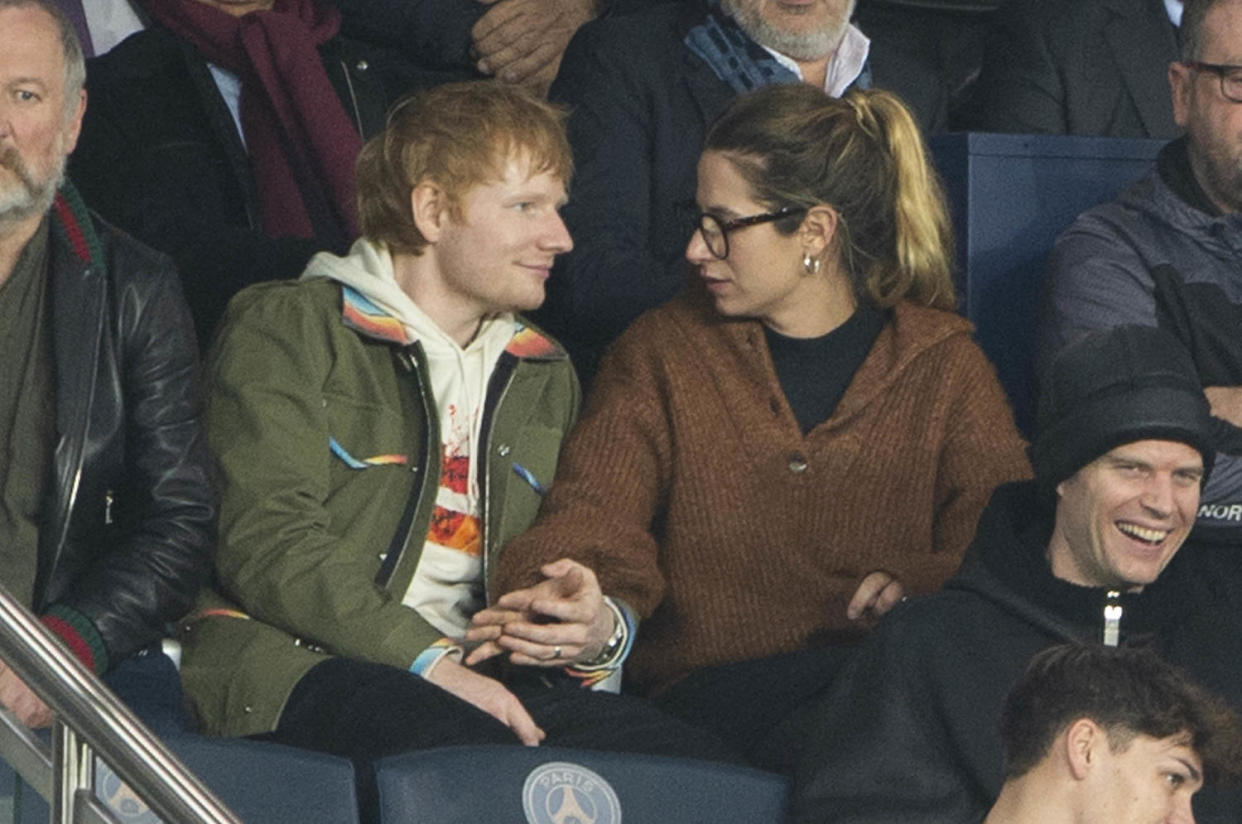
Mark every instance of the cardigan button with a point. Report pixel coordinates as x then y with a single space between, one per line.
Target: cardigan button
503 450
362 65
797 463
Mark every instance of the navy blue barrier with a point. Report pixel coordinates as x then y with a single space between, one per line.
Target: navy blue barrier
1011 195
543 785
263 783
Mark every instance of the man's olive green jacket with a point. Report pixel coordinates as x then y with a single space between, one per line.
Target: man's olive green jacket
327 451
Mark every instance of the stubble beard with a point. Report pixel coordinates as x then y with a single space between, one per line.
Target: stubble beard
1227 181
800 45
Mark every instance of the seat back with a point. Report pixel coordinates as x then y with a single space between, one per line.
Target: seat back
1011 195
261 782
549 785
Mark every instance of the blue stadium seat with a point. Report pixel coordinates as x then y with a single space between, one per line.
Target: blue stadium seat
543 785
1011 196
261 782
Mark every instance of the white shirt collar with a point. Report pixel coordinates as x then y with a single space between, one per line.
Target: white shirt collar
845 64
1174 8
109 22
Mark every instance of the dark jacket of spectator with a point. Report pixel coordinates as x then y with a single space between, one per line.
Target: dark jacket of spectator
160 155
909 732
1075 67
129 523
641 104
1160 255
435 33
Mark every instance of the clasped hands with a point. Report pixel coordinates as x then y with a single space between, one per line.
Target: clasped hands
560 621
563 619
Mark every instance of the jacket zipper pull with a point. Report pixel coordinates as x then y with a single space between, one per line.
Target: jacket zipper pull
1112 618
107 507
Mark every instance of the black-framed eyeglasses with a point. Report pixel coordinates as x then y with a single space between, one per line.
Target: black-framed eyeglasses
1230 77
715 231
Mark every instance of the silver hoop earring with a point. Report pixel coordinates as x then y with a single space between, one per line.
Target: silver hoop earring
810 264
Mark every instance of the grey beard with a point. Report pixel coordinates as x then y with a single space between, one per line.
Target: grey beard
811 45
28 196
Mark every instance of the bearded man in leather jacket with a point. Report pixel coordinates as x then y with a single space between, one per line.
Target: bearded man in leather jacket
1090 552
106 518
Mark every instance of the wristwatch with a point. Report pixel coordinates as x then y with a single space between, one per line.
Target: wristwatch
613 645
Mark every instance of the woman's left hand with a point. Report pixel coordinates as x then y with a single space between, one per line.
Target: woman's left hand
557 622
877 594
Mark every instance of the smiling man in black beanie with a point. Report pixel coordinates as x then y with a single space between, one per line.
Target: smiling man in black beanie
1084 553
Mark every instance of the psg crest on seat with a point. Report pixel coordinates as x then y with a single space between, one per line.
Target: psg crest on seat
562 793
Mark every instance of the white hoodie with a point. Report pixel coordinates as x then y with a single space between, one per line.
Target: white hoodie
447 587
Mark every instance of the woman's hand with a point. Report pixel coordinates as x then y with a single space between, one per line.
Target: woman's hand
877 594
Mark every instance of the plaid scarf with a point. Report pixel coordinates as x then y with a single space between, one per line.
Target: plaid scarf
729 52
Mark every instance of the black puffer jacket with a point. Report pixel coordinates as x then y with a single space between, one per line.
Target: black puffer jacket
909 731
129 525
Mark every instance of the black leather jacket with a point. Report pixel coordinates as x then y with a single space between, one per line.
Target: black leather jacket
129 524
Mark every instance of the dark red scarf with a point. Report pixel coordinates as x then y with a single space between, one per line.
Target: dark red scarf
300 139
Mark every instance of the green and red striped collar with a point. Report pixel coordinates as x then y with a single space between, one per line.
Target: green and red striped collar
73 226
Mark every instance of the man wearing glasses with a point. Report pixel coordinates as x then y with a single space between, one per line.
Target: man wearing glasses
1166 253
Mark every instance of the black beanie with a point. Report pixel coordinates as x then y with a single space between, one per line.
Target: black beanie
1116 386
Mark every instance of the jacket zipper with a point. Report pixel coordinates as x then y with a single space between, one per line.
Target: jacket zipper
484 446
1112 618
389 564
79 447
353 99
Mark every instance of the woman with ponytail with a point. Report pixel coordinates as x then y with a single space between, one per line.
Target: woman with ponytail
772 460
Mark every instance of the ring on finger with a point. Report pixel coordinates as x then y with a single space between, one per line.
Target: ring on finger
556 652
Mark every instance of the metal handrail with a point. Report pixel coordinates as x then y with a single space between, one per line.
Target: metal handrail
90 718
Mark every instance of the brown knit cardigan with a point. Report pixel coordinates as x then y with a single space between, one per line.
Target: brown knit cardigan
690 490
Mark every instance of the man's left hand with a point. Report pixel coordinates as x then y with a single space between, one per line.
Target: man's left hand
521 41
518 623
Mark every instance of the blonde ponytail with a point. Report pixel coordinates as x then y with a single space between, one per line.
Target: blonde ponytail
922 266
864 156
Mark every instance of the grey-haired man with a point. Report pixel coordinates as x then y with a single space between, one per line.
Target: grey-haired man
106 520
